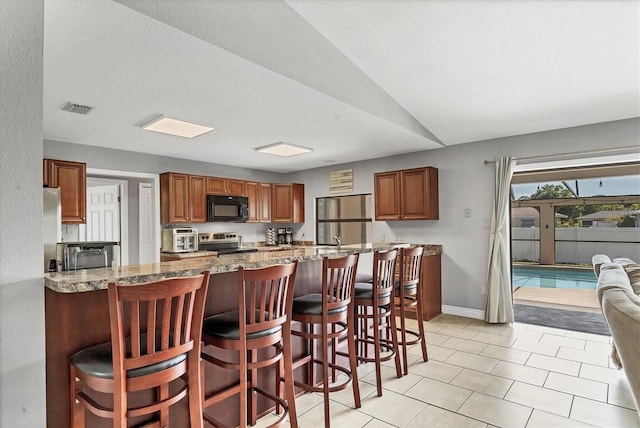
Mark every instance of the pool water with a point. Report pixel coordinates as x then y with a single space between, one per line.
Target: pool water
553 278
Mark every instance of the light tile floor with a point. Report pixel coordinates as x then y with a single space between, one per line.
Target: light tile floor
482 375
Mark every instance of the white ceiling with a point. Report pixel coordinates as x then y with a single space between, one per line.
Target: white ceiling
352 80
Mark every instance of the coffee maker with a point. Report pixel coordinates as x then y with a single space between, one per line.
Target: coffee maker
288 236
282 235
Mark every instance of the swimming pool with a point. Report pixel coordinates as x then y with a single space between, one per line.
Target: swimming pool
553 278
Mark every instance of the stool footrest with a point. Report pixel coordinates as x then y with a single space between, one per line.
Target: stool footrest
417 339
333 388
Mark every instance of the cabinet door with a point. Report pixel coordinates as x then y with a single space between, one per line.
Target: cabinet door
252 190
287 203
387 195
174 198
235 187
413 193
419 190
71 178
281 200
264 205
197 199
216 185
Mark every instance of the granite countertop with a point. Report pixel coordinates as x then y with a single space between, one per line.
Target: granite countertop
192 254
97 279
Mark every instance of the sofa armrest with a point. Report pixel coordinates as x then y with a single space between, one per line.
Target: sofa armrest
611 276
597 261
621 308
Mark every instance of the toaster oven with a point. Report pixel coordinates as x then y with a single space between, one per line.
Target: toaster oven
179 240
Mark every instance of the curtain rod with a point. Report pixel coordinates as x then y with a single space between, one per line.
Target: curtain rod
629 149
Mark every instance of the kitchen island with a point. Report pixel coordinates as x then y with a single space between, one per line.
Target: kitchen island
77 312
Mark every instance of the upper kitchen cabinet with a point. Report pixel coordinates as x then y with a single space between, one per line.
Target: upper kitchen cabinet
71 178
259 195
225 186
287 203
409 194
183 198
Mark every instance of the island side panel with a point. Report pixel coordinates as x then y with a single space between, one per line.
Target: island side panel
72 321
77 320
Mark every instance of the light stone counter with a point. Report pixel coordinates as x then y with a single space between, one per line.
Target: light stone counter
97 279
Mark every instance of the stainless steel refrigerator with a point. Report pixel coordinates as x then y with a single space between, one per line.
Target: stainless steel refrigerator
51 225
347 218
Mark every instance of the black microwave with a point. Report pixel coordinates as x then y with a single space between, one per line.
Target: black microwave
227 208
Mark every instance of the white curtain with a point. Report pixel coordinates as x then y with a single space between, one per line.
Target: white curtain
499 307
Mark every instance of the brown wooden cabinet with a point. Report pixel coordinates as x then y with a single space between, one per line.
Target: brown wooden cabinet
409 194
287 203
259 195
431 288
183 198
226 186
71 178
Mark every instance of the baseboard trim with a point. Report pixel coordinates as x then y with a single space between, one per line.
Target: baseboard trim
463 312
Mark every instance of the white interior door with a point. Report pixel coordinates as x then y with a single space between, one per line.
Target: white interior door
146 239
103 213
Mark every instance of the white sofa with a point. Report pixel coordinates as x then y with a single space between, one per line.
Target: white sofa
619 296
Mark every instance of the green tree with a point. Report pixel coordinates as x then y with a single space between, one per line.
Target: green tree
556 191
552 191
627 221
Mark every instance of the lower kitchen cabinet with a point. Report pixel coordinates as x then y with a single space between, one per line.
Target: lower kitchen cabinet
431 288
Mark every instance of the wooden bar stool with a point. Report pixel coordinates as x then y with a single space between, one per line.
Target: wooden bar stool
158 343
333 312
264 300
375 302
409 295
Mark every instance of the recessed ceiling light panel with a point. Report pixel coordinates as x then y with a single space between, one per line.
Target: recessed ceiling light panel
177 127
283 149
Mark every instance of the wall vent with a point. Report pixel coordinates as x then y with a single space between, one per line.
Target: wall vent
77 108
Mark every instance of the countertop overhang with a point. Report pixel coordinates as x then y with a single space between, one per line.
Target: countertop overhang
99 278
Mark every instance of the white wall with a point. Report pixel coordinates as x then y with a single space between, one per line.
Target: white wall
22 351
464 182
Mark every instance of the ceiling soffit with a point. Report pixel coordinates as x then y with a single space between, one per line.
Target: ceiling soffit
273 35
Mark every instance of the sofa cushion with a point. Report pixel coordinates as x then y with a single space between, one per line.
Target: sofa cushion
623 261
633 272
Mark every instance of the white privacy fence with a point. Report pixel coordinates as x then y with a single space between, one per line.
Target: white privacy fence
578 244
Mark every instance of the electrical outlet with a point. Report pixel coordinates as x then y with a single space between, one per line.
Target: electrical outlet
383 237
401 237
467 213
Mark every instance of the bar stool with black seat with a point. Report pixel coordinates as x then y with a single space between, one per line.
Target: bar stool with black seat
332 311
155 339
409 296
375 308
261 337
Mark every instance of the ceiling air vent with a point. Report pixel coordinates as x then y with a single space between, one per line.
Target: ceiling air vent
77 108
